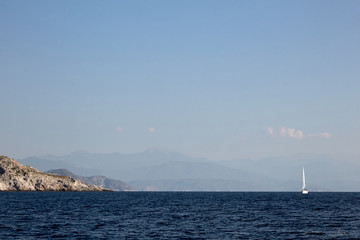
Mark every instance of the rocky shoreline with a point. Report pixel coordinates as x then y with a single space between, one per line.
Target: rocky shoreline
16 177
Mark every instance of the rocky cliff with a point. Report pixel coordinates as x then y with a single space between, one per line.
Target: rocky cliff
17 177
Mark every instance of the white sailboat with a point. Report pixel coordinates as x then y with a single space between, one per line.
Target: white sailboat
304 190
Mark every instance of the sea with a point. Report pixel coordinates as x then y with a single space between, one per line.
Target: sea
179 215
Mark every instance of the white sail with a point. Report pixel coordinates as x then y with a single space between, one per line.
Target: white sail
303 184
304 190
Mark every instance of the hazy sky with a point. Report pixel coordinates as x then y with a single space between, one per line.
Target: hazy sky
215 79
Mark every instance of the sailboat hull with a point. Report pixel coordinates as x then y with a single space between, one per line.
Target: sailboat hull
304 191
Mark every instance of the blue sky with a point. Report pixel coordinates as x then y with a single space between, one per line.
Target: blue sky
216 79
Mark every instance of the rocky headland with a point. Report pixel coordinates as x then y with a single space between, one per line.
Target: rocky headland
17 177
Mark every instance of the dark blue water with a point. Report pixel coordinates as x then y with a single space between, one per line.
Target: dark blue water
174 215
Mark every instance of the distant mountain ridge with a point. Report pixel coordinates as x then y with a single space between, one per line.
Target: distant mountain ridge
168 171
100 181
156 165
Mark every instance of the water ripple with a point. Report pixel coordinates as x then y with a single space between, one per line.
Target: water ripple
184 215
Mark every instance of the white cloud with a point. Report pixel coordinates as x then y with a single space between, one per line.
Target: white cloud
283 131
286 132
291 133
151 130
321 135
270 131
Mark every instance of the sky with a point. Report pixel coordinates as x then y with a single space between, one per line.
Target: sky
215 79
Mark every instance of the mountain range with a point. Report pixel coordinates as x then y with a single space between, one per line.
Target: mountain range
160 170
101 181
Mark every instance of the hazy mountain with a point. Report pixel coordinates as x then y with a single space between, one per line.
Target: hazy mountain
336 173
203 177
110 164
163 166
166 170
193 185
100 181
46 162
199 184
